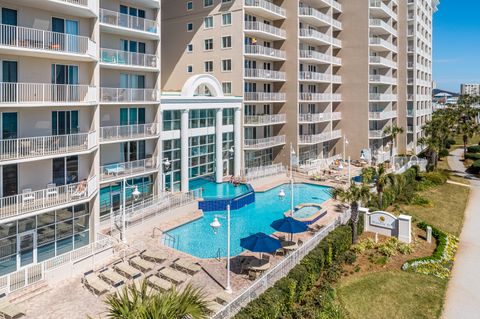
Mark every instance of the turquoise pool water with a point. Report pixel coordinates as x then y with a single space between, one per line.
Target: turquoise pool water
197 238
210 189
306 212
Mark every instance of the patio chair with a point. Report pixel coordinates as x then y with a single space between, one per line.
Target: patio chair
52 190
141 264
11 311
214 307
126 270
159 283
113 278
80 190
154 256
27 196
175 276
92 282
187 266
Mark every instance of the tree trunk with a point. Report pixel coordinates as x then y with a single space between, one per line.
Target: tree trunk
354 219
380 198
465 142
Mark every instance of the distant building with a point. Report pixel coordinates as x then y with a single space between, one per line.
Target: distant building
470 89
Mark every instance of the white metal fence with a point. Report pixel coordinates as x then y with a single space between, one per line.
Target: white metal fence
24 93
128 58
127 21
264 171
115 95
315 165
110 133
112 171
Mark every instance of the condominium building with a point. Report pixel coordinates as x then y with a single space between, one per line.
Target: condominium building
470 89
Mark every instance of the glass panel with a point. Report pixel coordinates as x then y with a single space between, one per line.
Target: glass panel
27 224
8 229
141 115
9 125
8 265
81 240
123 9
133 116
141 47
46 219
46 235
64 214
26 249
72 74
81 209
81 224
8 246
64 229
74 128
72 169
64 245
59 171
45 252
123 116
9 71
9 16
10 180
133 46
58 25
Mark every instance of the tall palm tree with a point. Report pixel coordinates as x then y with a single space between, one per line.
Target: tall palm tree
394 131
138 303
379 177
353 196
467 123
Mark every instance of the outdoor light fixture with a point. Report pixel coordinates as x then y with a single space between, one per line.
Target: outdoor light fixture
215 225
282 194
136 193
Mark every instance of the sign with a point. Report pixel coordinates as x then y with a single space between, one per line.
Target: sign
383 219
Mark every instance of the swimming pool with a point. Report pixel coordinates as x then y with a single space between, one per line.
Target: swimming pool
305 212
197 238
211 190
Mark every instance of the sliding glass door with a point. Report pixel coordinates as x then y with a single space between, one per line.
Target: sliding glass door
10 78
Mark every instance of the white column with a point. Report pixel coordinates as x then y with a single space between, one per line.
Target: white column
237 137
160 179
184 150
219 146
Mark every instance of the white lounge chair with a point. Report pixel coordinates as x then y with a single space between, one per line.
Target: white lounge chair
11 311
159 283
186 265
141 264
96 285
154 256
126 270
113 278
175 276
52 190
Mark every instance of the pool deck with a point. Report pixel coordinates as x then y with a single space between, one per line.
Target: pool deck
68 298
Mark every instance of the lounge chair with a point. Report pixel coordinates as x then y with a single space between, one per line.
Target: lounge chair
113 277
153 256
189 267
315 228
159 283
128 271
214 307
141 264
223 298
96 285
175 276
11 311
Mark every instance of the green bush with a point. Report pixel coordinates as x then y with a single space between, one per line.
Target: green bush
444 153
474 149
435 178
475 168
283 300
472 156
350 257
420 201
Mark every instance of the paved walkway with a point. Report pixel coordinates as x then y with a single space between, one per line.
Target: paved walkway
463 293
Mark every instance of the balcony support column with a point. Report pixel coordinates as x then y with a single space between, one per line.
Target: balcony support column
237 138
219 146
184 150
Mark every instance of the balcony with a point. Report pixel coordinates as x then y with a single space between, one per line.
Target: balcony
124 24
119 95
380 44
113 134
319 138
381 116
378 26
314 17
319 97
31 202
318 38
262 74
39 148
263 143
264 97
382 79
264 31
307 118
379 9
265 9
264 120
377 134
383 97
43 94
318 57
264 52
309 76
111 172
117 59
46 44
380 61
77 8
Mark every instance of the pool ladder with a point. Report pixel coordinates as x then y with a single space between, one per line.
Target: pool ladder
218 255
170 241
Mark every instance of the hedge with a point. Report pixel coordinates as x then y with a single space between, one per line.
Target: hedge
472 156
474 149
321 264
475 168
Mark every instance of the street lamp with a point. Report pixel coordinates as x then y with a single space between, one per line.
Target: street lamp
136 194
215 227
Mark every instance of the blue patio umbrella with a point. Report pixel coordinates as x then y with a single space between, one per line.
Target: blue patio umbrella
260 243
289 225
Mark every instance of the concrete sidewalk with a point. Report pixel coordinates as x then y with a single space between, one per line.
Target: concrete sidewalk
463 293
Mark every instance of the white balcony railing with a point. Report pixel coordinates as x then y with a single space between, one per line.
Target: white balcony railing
28 147
383 43
383 61
263 27
319 117
314 34
264 74
382 97
83 3
265 51
34 39
117 57
382 79
382 24
265 96
321 97
377 134
378 4
30 201
116 170
267 5
258 172
262 143
43 93
125 132
312 12
385 115
267 119
315 76
320 138
127 21
120 95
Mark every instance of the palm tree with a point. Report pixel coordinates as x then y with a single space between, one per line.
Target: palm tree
394 131
138 303
378 176
353 196
467 124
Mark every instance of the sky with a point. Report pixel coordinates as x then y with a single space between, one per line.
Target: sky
456 44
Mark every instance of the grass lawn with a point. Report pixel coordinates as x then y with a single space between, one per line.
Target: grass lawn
443 165
471 141
393 295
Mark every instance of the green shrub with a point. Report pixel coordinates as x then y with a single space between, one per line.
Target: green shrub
436 178
474 149
350 257
420 201
444 153
472 156
475 168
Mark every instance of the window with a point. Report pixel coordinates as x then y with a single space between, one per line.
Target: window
227 65
208 22
207 3
189 69
189 27
208 44
189 5
227 88
226 42
226 1
208 66
227 19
